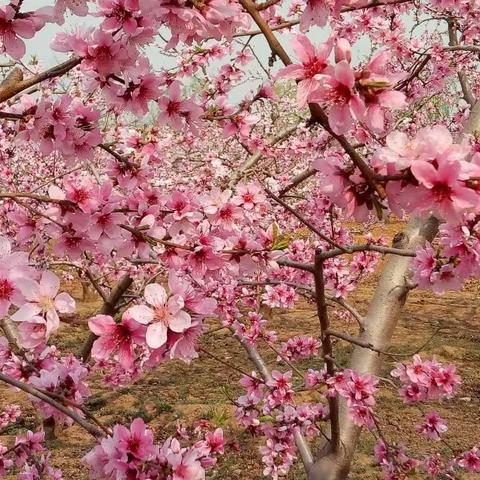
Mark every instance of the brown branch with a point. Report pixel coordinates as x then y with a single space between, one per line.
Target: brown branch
297 180
266 4
11 116
274 28
368 247
108 308
415 73
37 198
112 152
306 267
12 89
93 430
356 341
463 48
326 349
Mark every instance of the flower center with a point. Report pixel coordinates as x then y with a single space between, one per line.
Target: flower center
441 192
46 303
314 67
162 315
6 289
341 94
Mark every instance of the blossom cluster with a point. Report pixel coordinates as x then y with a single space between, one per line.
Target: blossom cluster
28 458
131 452
424 380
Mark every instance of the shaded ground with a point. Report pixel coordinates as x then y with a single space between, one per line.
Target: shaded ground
201 390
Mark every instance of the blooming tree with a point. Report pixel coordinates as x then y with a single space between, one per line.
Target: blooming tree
222 182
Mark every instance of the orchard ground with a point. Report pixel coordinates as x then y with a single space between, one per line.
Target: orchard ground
203 389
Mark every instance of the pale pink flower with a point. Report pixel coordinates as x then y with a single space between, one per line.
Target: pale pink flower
163 314
43 299
11 28
248 196
186 467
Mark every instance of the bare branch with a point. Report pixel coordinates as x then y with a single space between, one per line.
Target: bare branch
13 88
326 349
303 220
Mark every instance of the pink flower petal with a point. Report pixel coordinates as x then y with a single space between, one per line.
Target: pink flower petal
141 314
156 335
64 303
180 322
155 295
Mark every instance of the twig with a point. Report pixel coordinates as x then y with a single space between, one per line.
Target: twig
303 220
307 267
300 178
368 247
229 365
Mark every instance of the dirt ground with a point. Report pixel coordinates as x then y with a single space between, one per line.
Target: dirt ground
201 390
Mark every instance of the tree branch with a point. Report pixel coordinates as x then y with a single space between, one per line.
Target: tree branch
297 180
13 88
326 349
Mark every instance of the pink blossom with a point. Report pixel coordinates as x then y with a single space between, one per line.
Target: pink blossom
470 460
446 194
314 61
337 90
164 314
11 29
116 338
174 111
43 299
433 426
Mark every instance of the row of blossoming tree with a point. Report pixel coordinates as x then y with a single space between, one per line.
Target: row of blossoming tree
177 203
